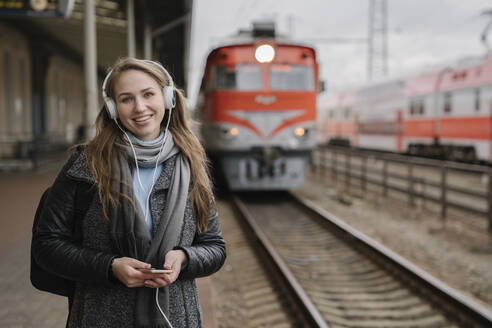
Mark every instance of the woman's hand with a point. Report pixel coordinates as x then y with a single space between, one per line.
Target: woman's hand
173 261
125 269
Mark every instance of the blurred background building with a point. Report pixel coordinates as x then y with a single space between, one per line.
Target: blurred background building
54 55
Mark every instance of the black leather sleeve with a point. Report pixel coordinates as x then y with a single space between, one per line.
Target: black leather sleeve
54 248
207 253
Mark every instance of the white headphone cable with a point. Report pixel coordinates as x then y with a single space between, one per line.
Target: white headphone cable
158 306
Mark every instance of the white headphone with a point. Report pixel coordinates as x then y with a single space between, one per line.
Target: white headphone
167 91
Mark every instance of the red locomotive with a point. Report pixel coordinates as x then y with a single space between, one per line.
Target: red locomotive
257 108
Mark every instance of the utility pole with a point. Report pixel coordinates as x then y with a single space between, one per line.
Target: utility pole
377 52
483 36
290 24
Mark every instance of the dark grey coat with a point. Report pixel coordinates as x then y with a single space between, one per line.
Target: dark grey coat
98 300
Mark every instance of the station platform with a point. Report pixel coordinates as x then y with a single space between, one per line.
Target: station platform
21 305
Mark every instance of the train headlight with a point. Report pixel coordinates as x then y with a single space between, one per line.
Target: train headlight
299 132
234 131
230 133
265 53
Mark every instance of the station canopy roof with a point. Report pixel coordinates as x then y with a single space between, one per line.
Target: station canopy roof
170 20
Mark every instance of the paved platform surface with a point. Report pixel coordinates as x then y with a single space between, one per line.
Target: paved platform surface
21 305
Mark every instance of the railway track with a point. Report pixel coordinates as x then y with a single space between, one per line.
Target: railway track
251 292
342 278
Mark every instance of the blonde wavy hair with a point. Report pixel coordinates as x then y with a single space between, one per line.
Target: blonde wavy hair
100 150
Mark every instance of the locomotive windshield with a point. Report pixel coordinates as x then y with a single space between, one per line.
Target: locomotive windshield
249 77
291 77
239 77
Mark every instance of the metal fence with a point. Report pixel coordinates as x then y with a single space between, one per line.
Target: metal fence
450 185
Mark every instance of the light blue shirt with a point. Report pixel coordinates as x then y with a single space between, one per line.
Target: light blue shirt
146 174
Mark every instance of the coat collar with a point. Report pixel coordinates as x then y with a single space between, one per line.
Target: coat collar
164 179
78 170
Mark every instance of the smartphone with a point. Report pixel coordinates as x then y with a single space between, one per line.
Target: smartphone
154 270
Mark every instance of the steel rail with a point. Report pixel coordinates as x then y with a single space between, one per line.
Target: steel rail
470 311
311 312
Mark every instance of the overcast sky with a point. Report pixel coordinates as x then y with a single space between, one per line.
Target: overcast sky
421 33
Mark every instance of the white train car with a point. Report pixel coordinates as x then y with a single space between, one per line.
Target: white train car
446 113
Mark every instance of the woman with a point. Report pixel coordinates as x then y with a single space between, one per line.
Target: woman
152 207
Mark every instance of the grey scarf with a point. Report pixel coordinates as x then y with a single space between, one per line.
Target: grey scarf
128 230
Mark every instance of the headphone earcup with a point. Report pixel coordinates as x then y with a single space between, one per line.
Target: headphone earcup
169 97
111 108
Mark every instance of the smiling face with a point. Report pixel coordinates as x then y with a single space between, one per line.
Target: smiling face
140 103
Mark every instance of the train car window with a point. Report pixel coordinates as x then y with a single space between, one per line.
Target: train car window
416 107
291 77
239 77
348 111
421 106
8 78
447 103
477 99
